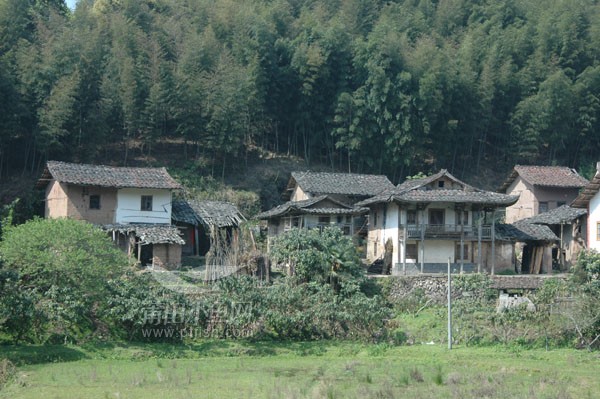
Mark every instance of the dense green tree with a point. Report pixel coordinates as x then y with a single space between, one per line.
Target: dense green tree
365 86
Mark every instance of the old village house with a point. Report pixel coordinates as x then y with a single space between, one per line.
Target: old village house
431 220
132 204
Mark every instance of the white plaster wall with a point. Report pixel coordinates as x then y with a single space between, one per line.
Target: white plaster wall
391 230
593 220
129 203
438 251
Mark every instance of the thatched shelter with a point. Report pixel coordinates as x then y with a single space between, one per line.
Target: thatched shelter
206 223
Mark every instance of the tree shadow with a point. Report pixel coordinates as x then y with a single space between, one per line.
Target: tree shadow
39 354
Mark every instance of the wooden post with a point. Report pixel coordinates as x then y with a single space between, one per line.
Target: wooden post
197 240
449 306
479 233
560 249
422 240
493 241
462 243
404 249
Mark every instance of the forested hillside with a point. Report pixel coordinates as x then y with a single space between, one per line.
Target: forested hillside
390 87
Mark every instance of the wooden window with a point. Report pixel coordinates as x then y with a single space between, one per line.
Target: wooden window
465 255
598 231
324 219
412 252
94 201
146 204
543 207
348 218
441 184
375 218
436 217
340 219
411 216
560 203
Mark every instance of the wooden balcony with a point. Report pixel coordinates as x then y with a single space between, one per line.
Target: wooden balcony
445 231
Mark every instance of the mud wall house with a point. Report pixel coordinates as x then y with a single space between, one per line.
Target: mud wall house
206 225
540 189
433 219
589 199
132 204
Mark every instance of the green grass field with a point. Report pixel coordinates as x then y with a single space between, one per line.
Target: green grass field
222 369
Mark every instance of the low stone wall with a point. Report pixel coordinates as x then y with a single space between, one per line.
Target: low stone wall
435 286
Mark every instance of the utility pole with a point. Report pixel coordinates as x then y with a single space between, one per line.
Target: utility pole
449 306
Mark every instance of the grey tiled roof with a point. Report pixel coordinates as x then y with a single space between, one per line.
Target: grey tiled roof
351 184
524 231
545 176
304 207
107 176
589 191
149 233
209 213
561 215
415 191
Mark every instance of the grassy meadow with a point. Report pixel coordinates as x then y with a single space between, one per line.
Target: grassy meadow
225 369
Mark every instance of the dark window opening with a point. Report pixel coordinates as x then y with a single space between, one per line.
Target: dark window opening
411 217
436 217
412 252
324 219
441 184
543 207
146 203
465 254
94 202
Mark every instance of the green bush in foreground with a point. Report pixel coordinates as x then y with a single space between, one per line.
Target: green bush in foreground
60 269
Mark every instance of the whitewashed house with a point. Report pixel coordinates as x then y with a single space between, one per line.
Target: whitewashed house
436 218
589 199
132 204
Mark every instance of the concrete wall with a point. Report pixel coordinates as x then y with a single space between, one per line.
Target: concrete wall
129 204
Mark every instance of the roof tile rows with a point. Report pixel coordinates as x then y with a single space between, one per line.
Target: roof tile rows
415 191
304 206
351 184
148 233
546 176
208 213
589 191
561 215
107 176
